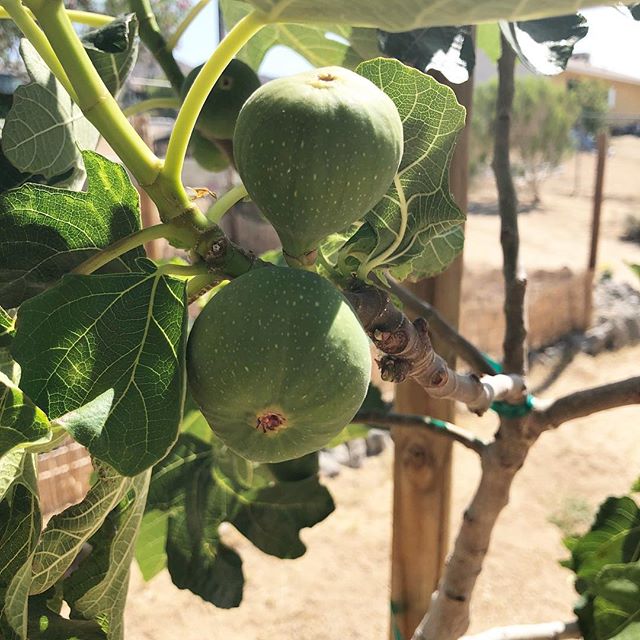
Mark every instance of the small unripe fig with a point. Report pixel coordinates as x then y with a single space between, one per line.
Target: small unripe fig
278 363
316 151
207 154
217 120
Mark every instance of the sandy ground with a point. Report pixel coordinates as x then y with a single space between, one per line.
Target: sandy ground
557 233
340 588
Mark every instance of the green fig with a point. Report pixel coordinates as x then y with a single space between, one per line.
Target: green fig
278 363
208 154
217 119
316 151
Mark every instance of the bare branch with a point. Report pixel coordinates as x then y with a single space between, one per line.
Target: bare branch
439 427
462 347
585 402
514 277
448 616
544 631
409 354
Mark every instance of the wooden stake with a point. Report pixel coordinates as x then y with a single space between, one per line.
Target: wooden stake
603 146
422 466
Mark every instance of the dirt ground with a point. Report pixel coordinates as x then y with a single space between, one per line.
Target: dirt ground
557 232
340 588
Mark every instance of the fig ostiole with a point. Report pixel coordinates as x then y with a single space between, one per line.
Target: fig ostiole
316 151
278 363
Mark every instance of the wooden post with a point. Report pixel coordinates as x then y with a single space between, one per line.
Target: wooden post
603 147
422 466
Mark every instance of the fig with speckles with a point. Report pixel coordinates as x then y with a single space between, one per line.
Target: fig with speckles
278 363
217 120
316 151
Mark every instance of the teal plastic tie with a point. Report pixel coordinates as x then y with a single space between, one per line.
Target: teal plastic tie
497 367
394 625
504 408
513 410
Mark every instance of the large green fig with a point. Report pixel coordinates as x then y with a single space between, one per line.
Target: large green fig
316 151
217 119
278 363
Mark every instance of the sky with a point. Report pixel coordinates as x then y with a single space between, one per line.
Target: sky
200 39
613 42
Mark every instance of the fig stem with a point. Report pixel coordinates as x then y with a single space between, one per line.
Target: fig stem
202 283
373 262
23 19
152 103
200 89
89 18
180 235
182 270
225 202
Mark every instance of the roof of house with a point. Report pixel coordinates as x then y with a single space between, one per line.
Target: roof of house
583 68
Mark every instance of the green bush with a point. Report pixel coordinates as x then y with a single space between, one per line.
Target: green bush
592 97
543 117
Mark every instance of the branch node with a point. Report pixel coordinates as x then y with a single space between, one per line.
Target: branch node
393 369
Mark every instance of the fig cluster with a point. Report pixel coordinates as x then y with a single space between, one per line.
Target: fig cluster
278 361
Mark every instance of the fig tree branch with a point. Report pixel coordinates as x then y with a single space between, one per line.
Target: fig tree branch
543 631
584 403
154 40
409 354
462 347
449 614
439 427
515 279
185 123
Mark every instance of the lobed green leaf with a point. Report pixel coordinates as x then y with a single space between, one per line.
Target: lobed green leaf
21 421
200 485
616 605
415 230
20 524
449 50
47 624
97 590
44 130
150 546
548 43
405 15
117 344
113 49
614 538
47 231
7 328
322 45
68 531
